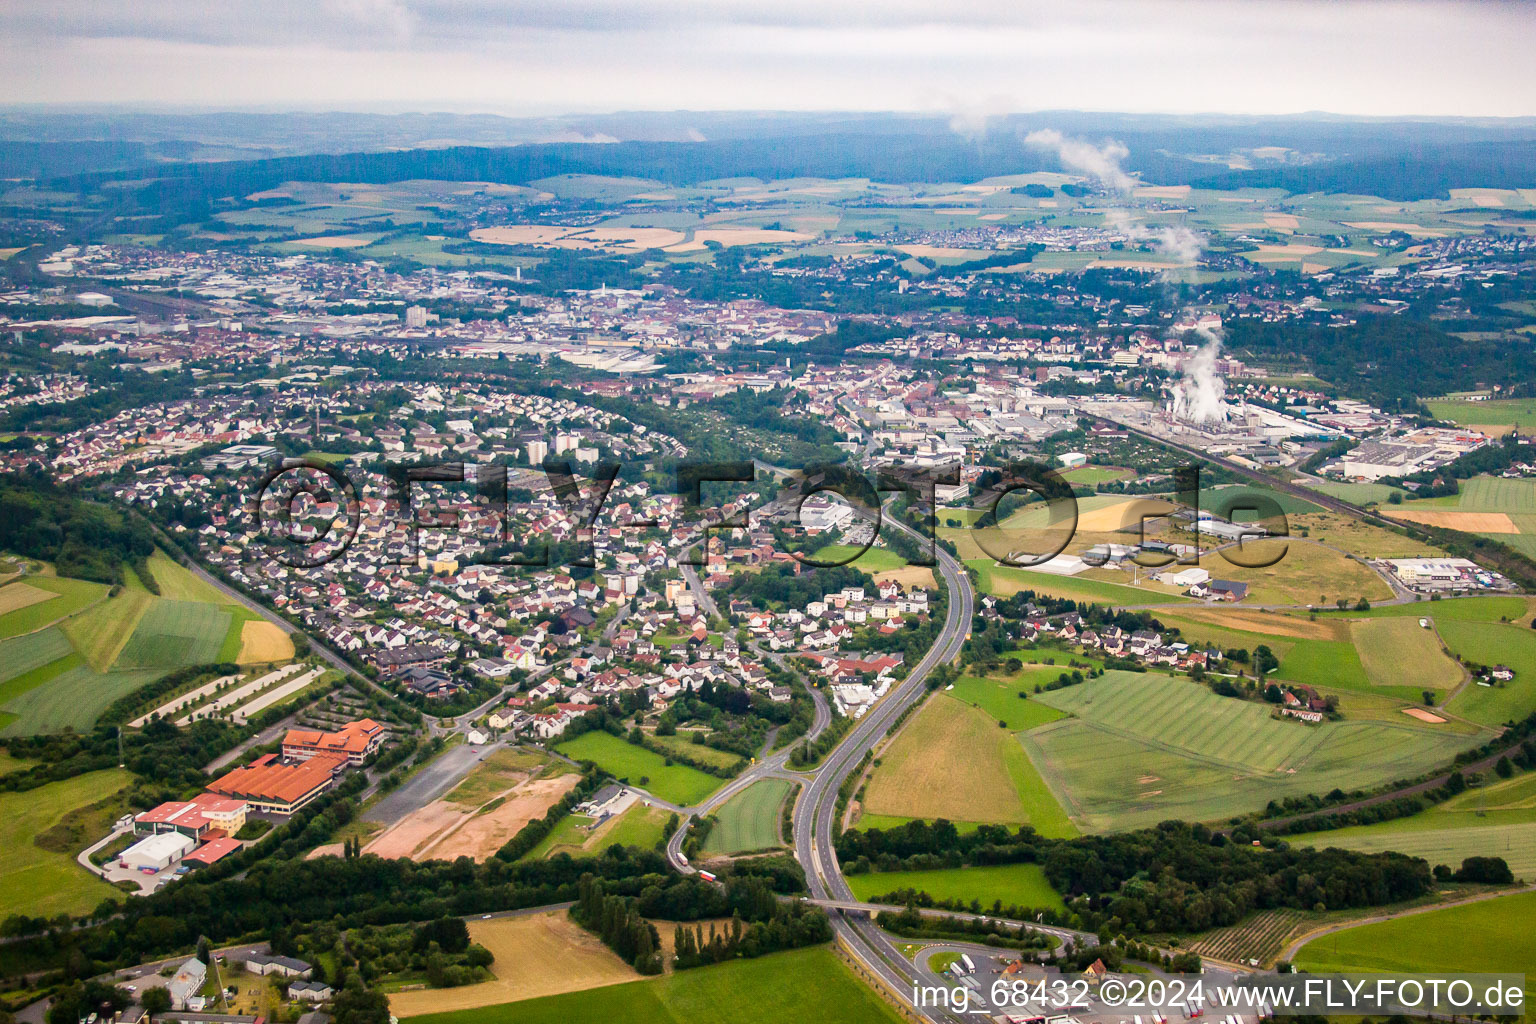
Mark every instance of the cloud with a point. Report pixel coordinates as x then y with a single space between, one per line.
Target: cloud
1102 163
534 56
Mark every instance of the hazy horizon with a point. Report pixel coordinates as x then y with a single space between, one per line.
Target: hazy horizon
1422 58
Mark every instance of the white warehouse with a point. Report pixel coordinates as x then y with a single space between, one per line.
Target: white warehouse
158 851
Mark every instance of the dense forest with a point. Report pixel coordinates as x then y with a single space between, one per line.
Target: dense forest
81 538
1388 361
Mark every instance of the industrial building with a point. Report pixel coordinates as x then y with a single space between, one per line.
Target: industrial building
197 818
157 852
354 741
278 786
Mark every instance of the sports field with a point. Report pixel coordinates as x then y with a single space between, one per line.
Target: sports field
1143 748
950 761
750 819
1020 885
67 597
737 992
675 783
1492 935
39 882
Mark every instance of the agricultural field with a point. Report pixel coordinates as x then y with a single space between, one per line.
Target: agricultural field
872 560
1356 493
1259 936
1005 581
1487 935
737 992
66 597
1399 652
1496 820
260 641
178 583
1493 643
1493 507
101 635
1502 412
1002 697
674 783
524 948
109 646
1143 748
683 744
176 633
1020 885
749 820
949 762
39 882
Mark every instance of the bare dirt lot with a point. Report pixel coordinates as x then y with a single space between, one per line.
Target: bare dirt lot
444 829
538 955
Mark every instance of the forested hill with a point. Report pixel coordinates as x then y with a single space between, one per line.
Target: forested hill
1410 173
83 539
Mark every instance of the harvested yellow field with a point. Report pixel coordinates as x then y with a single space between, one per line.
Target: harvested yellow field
1122 514
911 576
1287 221
1283 252
1391 225
564 237
939 252
949 762
739 236
7 253
1492 429
1268 624
262 641
1454 519
1487 197
1314 268
1162 191
537 955
1424 716
18 595
334 241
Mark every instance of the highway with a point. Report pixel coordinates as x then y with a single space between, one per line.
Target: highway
815 813
816 806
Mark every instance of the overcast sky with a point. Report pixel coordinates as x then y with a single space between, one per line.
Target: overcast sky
970 57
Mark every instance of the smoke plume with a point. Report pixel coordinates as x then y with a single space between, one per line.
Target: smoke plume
1197 397
1101 163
